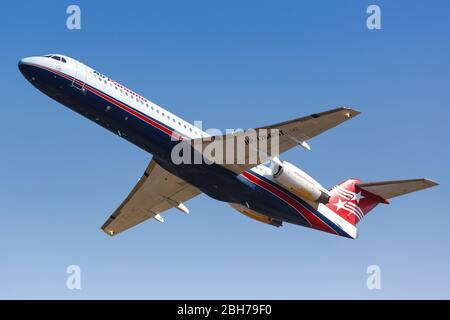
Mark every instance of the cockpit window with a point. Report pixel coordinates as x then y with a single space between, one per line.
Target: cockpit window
62 59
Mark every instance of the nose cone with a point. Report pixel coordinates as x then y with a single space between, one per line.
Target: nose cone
26 66
26 60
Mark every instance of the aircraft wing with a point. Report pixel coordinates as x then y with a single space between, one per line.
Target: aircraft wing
156 191
290 133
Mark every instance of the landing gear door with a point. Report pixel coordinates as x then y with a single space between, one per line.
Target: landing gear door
80 77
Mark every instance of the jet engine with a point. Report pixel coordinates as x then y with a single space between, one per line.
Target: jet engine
298 182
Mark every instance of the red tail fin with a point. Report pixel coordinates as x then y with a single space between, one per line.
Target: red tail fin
351 202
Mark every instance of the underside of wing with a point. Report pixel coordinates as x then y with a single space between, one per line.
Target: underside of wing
297 131
156 191
243 150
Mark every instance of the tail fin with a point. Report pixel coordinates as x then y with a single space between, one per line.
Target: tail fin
352 199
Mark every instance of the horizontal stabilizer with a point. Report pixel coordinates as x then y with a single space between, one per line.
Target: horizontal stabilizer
352 199
391 189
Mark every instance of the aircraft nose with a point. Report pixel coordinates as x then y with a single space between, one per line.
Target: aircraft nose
26 67
25 61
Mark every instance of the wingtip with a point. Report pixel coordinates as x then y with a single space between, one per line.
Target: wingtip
430 183
110 233
351 112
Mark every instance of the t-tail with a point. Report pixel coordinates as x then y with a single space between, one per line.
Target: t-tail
353 199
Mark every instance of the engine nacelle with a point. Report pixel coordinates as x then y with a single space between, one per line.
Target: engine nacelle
299 182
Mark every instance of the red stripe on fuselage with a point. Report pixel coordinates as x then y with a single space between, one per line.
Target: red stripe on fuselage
118 103
314 221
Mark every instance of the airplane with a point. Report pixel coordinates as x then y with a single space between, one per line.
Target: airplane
272 194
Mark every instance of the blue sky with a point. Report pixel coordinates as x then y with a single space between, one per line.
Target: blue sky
231 64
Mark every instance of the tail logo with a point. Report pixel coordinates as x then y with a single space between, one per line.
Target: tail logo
346 201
